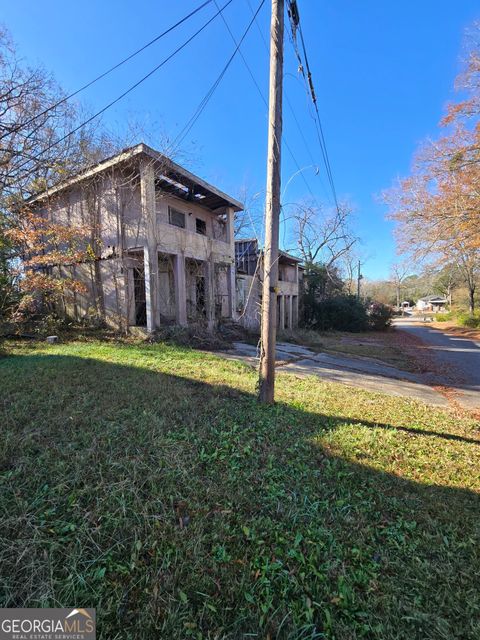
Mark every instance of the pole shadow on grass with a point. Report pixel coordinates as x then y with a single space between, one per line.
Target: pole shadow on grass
176 508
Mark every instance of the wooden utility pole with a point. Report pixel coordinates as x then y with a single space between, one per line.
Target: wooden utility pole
272 208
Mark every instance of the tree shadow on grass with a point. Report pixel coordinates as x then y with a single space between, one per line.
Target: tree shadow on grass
185 509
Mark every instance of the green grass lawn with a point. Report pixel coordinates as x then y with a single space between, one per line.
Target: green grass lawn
146 481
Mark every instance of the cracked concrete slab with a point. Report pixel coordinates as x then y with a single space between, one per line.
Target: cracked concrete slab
359 372
294 349
282 353
365 365
370 381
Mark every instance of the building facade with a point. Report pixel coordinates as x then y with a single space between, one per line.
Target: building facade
161 241
249 280
434 304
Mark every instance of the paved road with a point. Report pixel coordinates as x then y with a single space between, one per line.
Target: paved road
459 357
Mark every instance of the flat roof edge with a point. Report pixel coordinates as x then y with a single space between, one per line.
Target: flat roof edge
123 156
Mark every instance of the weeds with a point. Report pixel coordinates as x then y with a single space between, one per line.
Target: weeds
146 481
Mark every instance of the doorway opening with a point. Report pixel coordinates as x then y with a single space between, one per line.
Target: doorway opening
140 296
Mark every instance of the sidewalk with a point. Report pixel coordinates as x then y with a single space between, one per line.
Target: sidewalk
359 372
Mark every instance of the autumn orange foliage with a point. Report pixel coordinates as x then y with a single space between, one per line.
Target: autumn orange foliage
437 207
45 246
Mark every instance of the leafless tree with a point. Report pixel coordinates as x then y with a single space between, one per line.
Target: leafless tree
249 222
348 267
28 127
399 271
323 237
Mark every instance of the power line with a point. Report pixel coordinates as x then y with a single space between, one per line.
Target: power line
302 135
107 72
130 89
318 123
203 103
304 68
262 95
318 119
292 110
243 57
254 80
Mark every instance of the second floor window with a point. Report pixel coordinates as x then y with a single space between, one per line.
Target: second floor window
177 218
201 226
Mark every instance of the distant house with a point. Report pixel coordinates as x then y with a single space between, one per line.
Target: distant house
248 285
431 303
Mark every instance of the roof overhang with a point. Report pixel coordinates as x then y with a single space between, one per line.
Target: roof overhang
433 299
287 257
170 177
283 256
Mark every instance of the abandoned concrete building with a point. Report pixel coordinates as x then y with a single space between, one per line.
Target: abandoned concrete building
249 278
162 242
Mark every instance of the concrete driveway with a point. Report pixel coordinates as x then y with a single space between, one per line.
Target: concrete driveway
458 360
366 373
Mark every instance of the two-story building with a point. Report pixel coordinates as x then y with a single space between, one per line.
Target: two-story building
161 242
249 280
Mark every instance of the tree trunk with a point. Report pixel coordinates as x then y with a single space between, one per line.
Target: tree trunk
471 298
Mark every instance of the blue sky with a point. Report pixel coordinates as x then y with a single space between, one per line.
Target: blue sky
383 72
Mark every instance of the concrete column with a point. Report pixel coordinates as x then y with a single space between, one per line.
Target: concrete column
231 290
230 214
180 290
209 267
148 289
150 253
296 298
290 310
232 305
281 320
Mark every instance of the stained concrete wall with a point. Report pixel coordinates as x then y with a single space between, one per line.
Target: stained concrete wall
114 207
249 297
187 241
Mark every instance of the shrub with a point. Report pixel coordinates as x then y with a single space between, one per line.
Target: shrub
341 312
379 316
444 317
469 320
